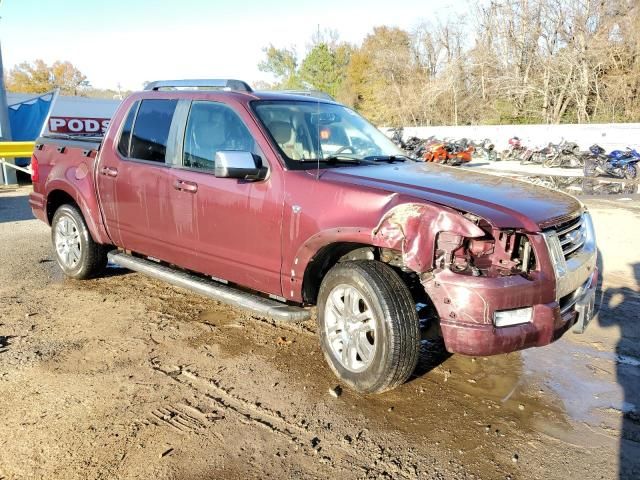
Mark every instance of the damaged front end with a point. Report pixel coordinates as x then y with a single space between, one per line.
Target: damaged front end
432 239
497 253
493 289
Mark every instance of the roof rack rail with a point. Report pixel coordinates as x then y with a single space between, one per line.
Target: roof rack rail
221 83
310 93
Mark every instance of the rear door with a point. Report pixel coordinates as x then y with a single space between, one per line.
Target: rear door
135 181
234 225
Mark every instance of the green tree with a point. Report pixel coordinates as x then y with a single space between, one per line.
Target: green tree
325 66
283 64
378 78
38 77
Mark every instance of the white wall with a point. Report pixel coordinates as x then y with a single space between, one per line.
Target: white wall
610 136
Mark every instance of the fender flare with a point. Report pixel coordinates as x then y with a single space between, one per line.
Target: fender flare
79 189
410 228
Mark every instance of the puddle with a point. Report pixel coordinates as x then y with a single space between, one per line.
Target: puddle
568 391
582 378
582 185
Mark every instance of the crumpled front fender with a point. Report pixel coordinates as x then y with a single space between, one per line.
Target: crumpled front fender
411 228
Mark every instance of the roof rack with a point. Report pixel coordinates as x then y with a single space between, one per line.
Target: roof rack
310 93
221 83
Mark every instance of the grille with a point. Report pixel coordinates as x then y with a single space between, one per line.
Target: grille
572 236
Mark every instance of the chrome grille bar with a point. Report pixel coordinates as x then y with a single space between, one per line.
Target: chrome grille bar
569 228
572 236
576 246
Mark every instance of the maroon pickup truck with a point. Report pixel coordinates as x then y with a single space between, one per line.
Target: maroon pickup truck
279 202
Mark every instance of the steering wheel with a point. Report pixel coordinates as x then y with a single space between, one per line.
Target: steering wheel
342 149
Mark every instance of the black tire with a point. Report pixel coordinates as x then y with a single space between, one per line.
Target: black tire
92 256
397 335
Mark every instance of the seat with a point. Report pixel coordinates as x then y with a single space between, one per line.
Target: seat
284 135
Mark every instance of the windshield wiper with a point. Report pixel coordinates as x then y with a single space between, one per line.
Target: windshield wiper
333 159
387 158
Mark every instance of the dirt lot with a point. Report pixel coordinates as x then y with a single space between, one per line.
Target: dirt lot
126 377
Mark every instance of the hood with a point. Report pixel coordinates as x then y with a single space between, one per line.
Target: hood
502 201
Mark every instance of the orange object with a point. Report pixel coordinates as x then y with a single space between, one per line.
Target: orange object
435 152
464 156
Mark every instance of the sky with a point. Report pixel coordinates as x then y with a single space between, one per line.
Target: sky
129 42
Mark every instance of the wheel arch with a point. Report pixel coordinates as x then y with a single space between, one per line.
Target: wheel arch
325 258
409 229
60 193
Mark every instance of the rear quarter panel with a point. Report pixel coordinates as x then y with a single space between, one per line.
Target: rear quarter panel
72 172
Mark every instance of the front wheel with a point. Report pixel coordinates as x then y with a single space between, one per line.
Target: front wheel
78 255
368 326
631 171
551 162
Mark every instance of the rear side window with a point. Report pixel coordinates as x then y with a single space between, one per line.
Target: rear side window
151 130
125 136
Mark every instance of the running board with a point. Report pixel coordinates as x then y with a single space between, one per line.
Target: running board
211 289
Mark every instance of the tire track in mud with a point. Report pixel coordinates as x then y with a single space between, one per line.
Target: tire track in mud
366 455
182 418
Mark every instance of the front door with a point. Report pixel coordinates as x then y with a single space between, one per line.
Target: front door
234 225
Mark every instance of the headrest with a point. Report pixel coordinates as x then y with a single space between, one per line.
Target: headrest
281 131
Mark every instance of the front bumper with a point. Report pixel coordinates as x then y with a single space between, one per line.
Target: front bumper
550 321
560 292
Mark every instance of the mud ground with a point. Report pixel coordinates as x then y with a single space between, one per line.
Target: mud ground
126 377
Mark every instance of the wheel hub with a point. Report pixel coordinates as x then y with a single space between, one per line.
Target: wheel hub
67 242
350 327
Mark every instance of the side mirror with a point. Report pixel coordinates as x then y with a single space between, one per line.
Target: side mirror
235 164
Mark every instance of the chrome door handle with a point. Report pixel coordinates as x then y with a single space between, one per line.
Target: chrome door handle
185 186
109 171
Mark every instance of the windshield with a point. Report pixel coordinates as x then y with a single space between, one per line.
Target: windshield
308 132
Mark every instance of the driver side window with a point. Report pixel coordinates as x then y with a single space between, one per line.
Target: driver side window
213 127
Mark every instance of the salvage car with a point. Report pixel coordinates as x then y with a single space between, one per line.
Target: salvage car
279 203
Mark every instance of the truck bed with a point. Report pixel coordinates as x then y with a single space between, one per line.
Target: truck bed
65 163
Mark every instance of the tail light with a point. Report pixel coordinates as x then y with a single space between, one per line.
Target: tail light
35 170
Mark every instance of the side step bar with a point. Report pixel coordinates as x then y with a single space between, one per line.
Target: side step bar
211 289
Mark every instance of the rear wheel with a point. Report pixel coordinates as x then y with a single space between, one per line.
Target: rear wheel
368 326
78 255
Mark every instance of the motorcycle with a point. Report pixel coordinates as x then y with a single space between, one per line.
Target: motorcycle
458 152
485 150
434 151
563 154
536 155
619 163
514 151
448 152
